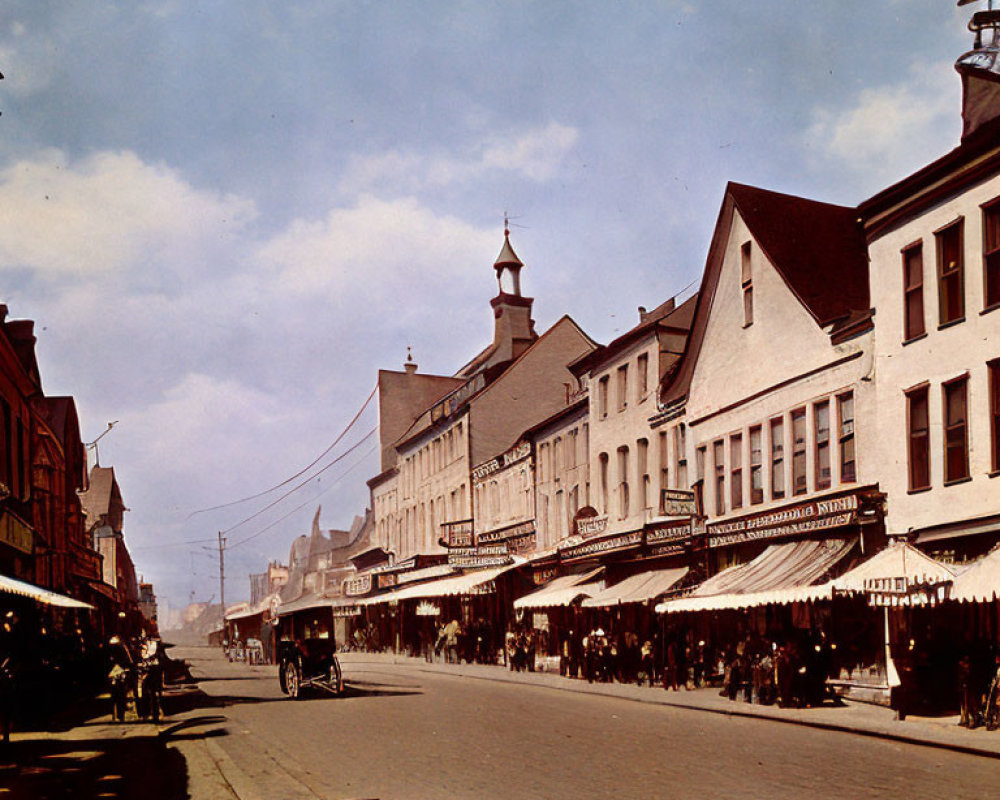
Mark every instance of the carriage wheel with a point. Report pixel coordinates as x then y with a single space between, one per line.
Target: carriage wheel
292 682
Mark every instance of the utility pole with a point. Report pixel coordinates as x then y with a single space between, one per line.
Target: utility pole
222 576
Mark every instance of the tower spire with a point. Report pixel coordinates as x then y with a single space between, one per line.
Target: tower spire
508 263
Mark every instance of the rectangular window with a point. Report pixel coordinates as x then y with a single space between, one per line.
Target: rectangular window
991 255
746 280
845 426
719 462
913 292
918 429
736 470
680 457
642 469
623 387
603 460
623 498
777 458
822 422
799 485
664 463
956 430
994 369
951 297
602 397
756 467
699 472
642 377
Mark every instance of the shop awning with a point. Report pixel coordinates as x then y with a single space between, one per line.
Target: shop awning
980 583
783 573
638 588
306 602
898 575
476 582
562 591
424 573
38 594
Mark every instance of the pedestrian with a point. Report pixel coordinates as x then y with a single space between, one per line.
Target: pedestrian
119 674
648 665
451 632
150 686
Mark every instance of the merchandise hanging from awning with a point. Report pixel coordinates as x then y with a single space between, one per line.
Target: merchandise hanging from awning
562 591
38 594
479 581
980 583
782 574
900 575
638 588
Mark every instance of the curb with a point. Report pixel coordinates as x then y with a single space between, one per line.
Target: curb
857 730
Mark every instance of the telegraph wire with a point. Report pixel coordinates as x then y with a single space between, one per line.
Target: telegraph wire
307 502
306 482
298 474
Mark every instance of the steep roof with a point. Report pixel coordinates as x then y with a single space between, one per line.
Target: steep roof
818 249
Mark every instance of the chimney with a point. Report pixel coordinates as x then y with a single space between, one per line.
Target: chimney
980 71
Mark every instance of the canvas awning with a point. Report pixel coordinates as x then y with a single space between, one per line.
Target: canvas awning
898 575
38 594
980 583
476 582
638 588
304 603
562 591
782 574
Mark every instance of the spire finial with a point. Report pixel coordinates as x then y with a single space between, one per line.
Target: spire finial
506 224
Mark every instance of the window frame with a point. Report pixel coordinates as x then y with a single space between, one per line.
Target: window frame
913 251
800 451
991 257
914 435
822 448
736 470
961 383
958 272
746 281
847 438
993 388
777 458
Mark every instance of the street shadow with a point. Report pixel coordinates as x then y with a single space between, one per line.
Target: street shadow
134 767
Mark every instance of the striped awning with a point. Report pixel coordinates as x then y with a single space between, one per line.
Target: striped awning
783 573
638 588
478 581
562 591
900 575
38 594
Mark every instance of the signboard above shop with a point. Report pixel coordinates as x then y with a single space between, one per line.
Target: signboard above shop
678 503
359 585
457 534
596 547
794 520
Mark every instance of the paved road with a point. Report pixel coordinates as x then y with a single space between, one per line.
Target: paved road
404 733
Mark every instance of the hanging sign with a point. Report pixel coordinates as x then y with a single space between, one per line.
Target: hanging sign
425 608
678 503
457 534
346 611
359 585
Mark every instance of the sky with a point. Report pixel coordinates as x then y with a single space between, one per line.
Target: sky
225 217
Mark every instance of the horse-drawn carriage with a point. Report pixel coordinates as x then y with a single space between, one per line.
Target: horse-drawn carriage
309 664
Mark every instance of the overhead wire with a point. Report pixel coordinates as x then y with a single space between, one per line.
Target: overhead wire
307 502
298 474
306 482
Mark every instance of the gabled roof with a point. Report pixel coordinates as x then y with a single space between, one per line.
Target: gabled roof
96 501
818 249
666 316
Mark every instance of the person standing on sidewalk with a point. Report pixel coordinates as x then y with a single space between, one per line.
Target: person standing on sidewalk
120 662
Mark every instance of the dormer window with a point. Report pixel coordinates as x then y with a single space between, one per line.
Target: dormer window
746 280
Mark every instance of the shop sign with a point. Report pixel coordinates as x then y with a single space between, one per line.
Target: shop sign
668 532
474 561
519 451
458 533
795 520
399 566
526 543
16 534
346 611
484 470
425 608
678 503
541 576
540 621
359 585
611 544
510 532
591 526
675 549
387 579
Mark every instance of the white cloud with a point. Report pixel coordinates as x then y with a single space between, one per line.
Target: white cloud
894 128
535 154
376 247
109 213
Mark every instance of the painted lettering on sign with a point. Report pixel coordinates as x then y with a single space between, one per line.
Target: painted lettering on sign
387 579
458 533
610 544
793 521
678 503
591 526
540 576
346 611
359 585
668 532
476 561
510 532
16 534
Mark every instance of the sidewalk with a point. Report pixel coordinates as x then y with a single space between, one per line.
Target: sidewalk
860 719
81 753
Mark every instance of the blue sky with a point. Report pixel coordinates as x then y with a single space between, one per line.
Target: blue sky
225 217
